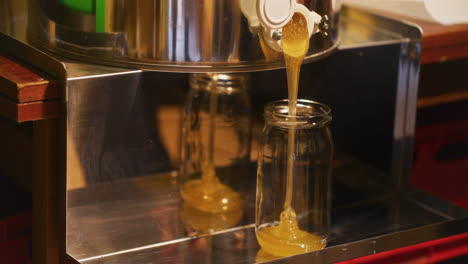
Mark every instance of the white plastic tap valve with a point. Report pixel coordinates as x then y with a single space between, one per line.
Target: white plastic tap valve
275 14
249 9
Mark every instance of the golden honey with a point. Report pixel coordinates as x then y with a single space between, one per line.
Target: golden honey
209 195
286 238
206 222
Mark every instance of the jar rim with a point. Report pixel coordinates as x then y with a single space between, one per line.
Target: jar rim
308 114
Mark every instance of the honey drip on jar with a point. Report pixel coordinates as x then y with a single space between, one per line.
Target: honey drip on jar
286 238
208 194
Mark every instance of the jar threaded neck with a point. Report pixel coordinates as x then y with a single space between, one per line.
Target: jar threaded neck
308 114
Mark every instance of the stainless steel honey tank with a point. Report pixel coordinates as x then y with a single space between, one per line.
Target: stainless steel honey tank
170 35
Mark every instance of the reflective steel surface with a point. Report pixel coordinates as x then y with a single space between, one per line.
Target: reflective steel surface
167 35
213 250
357 230
122 141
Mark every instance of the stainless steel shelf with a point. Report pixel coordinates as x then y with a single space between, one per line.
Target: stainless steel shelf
122 224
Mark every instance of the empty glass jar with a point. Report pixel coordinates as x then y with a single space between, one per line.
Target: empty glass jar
294 178
215 149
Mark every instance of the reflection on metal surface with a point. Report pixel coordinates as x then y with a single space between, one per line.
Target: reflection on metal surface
215 149
13 17
350 32
119 215
6 15
205 222
134 215
123 216
111 230
168 35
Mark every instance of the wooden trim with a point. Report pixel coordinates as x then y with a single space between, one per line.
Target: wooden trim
435 35
22 112
442 99
47 243
26 95
38 110
444 53
439 42
23 85
443 42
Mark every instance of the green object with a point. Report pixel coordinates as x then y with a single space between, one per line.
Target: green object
96 7
86 6
100 15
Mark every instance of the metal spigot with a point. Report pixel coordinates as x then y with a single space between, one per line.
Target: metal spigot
323 26
277 35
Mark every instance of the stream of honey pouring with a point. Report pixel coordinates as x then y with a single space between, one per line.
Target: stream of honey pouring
286 238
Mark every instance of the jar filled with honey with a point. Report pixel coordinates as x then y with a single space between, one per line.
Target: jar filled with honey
215 149
294 178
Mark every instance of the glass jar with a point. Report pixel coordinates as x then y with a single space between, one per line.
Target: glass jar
215 149
294 178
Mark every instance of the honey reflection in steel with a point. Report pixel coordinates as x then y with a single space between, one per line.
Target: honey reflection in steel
215 150
204 222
